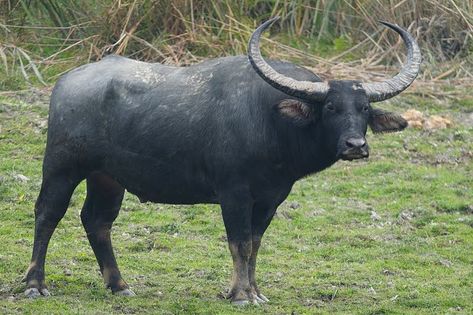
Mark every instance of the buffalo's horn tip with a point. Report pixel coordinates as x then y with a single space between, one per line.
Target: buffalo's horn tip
390 25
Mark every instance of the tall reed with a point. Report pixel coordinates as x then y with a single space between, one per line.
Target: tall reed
315 32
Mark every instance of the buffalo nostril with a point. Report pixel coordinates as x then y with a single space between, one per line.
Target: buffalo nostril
355 142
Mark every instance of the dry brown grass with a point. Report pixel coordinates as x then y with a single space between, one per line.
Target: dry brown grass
337 38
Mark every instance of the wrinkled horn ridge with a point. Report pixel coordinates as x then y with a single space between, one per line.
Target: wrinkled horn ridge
290 86
389 88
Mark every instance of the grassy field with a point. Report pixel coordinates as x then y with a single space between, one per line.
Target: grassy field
393 234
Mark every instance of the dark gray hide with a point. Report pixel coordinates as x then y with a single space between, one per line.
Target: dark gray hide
176 135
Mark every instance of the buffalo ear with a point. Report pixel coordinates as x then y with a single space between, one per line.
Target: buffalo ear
381 121
295 111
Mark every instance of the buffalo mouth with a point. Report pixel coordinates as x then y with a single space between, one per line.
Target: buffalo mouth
354 154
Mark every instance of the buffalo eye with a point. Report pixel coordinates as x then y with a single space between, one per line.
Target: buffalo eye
365 108
330 107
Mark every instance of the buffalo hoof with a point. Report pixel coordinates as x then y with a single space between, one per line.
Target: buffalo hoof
243 298
260 298
241 303
125 292
34 293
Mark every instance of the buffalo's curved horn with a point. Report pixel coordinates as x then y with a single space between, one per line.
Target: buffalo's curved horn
290 86
383 90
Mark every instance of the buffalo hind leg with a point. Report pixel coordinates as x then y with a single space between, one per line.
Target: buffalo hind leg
50 207
236 211
261 218
101 207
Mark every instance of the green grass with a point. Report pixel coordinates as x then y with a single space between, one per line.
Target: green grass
328 255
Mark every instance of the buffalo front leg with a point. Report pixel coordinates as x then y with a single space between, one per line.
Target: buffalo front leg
261 218
101 207
236 211
240 290
50 208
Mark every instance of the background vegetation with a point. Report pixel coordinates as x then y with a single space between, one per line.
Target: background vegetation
392 235
41 39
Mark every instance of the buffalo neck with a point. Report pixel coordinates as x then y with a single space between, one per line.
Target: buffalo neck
303 150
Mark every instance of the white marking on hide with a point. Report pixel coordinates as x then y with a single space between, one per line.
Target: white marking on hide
148 76
357 86
197 81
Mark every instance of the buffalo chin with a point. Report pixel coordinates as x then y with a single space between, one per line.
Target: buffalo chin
350 155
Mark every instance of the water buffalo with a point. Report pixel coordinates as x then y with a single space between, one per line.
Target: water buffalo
235 131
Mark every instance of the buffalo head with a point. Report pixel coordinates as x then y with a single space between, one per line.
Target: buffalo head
342 108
